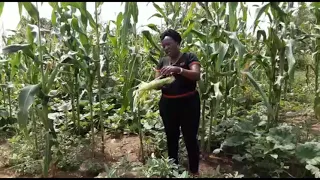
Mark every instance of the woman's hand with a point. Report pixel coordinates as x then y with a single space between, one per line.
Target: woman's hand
169 70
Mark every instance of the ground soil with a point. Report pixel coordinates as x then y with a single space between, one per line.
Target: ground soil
115 149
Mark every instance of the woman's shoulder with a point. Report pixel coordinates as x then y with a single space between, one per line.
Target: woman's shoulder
190 56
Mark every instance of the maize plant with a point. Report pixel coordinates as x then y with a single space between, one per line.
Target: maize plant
79 74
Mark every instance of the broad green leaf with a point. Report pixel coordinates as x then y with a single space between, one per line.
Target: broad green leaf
234 141
290 57
26 99
309 152
1 7
32 10
282 135
14 48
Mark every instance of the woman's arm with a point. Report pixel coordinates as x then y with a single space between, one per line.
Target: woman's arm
193 73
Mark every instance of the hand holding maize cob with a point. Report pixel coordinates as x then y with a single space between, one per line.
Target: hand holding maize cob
141 92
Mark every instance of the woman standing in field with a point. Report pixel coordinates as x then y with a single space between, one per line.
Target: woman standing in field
180 102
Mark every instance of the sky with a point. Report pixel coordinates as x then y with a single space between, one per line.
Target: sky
10 15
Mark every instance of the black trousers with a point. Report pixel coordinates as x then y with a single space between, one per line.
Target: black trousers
185 113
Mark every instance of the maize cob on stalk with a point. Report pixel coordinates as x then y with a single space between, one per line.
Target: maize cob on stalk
141 93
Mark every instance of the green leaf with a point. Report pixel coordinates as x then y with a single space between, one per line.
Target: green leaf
240 48
156 15
280 14
309 152
148 36
244 9
314 170
200 35
54 5
160 10
20 8
282 136
234 141
190 13
125 24
26 99
14 48
188 30
1 7
135 11
233 15
153 27
222 49
262 93
83 37
32 10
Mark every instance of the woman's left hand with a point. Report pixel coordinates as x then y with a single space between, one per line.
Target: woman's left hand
169 70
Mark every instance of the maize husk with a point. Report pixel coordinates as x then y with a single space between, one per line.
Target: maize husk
140 94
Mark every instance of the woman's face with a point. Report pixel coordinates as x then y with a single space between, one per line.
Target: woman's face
171 47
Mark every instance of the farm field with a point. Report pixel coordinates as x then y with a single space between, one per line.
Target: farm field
67 84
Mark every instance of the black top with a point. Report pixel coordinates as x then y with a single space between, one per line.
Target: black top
182 84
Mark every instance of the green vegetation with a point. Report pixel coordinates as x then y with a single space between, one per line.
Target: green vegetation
69 90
